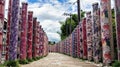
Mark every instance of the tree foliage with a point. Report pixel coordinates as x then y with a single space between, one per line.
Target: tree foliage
73 22
51 43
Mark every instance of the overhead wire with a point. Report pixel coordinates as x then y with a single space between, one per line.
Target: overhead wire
70 7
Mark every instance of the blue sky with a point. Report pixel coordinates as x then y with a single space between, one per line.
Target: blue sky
50 12
32 1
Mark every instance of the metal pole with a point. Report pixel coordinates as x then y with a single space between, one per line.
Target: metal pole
70 23
79 17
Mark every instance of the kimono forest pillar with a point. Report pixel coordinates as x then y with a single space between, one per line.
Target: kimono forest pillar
89 35
23 42
14 30
106 32
96 34
2 10
117 6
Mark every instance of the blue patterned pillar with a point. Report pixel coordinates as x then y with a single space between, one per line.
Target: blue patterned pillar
14 30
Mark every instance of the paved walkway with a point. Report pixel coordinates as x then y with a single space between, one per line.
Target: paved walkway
59 60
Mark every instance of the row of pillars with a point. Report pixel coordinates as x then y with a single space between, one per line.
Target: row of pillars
25 36
92 39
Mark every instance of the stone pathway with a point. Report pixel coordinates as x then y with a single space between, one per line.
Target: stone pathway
59 60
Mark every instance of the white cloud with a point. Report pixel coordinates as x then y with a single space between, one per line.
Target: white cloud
72 1
47 11
49 15
6 7
23 1
54 37
86 5
51 28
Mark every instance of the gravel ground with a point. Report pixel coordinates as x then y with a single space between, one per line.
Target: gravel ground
59 60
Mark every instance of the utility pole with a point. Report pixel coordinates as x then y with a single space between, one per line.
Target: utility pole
70 23
78 3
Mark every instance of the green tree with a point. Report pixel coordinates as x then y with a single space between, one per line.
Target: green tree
73 22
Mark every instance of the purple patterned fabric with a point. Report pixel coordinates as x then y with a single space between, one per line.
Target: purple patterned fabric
14 30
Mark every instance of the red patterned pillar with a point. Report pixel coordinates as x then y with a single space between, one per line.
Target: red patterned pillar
46 44
8 28
23 32
29 34
40 39
42 42
34 36
84 38
37 38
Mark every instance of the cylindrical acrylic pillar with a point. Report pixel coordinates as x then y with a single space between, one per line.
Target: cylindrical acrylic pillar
73 50
14 30
8 28
30 34
89 35
84 39
81 43
97 52
37 39
40 39
75 42
23 41
34 36
2 10
106 32
117 9
78 41
70 45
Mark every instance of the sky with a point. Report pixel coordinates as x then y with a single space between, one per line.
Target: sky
50 12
